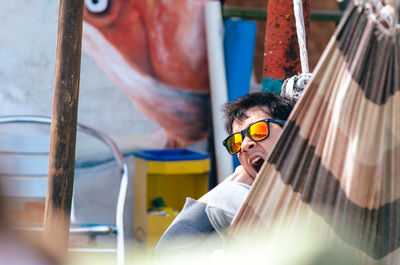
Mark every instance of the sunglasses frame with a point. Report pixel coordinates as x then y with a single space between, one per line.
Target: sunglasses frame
246 132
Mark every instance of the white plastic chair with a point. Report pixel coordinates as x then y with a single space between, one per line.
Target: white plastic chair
20 159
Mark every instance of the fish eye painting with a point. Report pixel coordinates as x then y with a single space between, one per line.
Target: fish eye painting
144 70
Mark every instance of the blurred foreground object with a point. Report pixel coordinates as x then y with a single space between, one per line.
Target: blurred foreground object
337 158
18 250
286 248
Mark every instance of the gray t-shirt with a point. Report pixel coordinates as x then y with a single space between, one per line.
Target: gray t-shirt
194 228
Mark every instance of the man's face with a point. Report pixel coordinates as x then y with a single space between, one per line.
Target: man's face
253 154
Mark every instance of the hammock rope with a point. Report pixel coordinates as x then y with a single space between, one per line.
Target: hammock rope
301 35
294 86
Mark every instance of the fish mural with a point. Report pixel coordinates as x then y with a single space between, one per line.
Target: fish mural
155 52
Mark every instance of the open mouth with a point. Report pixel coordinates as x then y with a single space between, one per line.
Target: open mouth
257 163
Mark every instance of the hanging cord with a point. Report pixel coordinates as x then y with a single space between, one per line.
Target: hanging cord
384 11
301 34
294 86
391 10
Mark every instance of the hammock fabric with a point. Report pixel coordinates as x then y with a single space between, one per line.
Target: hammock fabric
338 158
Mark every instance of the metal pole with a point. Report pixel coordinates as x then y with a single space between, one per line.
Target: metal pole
261 14
281 48
63 128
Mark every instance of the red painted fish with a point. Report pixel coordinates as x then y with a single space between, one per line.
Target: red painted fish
154 51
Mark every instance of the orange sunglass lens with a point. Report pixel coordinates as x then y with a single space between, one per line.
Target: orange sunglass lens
258 131
234 143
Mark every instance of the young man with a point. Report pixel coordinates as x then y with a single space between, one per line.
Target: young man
254 123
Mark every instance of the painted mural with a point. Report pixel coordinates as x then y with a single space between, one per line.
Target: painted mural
155 52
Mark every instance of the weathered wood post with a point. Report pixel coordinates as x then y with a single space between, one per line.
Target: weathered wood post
281 48
63 127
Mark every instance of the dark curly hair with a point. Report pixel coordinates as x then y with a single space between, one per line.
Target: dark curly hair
279 107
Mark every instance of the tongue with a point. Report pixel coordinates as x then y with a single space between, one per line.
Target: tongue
257 164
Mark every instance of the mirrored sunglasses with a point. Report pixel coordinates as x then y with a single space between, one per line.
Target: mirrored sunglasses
257 131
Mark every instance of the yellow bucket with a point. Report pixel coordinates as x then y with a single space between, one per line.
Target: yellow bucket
173 175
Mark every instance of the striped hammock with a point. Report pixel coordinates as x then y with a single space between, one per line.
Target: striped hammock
338 158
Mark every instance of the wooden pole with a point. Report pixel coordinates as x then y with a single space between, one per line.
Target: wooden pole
281 48
63 128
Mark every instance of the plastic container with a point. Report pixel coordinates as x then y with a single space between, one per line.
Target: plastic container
173 175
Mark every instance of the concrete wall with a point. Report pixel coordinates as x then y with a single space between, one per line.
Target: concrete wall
27 64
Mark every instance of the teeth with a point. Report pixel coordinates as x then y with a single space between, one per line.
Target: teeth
255 160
